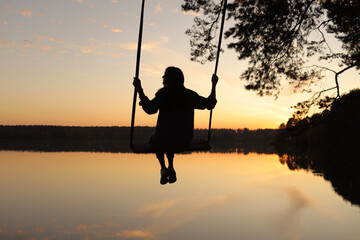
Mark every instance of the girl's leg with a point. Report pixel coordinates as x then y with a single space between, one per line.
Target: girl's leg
164 172
170 157
172 173
160 157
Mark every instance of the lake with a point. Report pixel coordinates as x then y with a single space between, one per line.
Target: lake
80 195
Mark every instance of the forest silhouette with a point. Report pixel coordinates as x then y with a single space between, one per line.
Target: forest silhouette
116 139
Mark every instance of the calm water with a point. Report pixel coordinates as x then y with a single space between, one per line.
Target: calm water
47 196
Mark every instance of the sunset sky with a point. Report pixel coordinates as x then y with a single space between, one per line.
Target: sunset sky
71 62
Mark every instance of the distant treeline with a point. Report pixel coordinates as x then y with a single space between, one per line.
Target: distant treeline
116 139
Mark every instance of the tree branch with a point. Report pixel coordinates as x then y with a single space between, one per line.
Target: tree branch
336 75
321 67
294 32
217 18
322 34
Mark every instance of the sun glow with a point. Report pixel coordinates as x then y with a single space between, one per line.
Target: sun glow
74 68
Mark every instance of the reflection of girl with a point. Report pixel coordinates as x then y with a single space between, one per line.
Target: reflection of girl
175 123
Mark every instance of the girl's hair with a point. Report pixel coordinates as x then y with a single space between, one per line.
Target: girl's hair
174 77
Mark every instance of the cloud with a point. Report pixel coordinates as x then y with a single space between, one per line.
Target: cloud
63 51
150 45
114 55
28 43
6 43
52 220
290 235
164 39
135 234
80 228
116 30
129 46
26 12
154 210
86 51
46 48
145 46
54 40
38 37
172 214
92 41
106 26
158 8
155 69
214 202
93 20
91 5
8 9
191 13
59 226
95 226
298 201
150 24
4 21
20 234
114 1
112 224
40 229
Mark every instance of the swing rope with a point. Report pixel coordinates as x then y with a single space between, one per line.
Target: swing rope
224 3
137 72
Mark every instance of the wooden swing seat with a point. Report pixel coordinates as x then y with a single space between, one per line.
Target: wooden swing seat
195 146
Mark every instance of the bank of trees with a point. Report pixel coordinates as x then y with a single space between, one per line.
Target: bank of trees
116 139
278 39
332 133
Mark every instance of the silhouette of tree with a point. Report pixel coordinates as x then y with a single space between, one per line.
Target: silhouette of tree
278 38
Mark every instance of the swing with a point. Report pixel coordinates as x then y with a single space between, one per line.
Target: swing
195 145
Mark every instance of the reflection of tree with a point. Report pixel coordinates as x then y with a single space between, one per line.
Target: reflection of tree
345 178
295 162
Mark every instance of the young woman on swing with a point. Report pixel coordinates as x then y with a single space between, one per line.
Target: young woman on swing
175 123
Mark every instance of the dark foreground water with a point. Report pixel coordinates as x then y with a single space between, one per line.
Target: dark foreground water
47 196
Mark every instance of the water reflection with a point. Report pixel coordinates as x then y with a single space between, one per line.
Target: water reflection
117 196
342 173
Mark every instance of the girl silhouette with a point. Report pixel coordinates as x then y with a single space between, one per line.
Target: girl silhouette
175 123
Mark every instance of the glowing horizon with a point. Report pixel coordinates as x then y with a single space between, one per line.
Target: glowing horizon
72 64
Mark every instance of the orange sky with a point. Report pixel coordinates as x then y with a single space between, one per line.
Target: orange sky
72 63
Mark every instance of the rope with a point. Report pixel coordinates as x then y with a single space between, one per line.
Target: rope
137 72
217 58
